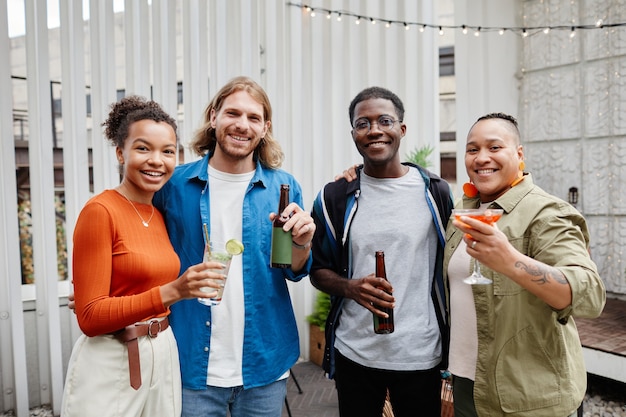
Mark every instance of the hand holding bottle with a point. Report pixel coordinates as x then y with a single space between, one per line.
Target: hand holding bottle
372 292
293 229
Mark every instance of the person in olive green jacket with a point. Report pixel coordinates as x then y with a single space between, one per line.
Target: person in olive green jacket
514 348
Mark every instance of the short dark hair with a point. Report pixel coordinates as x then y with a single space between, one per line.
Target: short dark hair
377 92
512 121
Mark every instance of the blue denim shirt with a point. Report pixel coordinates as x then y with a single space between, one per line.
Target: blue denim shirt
271 344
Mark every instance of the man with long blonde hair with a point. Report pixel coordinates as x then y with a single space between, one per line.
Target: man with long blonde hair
236 356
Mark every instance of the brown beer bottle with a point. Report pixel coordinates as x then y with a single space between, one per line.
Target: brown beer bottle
382 325
281 240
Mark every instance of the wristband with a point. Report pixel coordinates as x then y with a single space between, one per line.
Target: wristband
301 247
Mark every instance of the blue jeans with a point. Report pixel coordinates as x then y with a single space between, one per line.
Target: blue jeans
265 401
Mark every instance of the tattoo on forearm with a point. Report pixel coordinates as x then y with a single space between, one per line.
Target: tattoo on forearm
542 275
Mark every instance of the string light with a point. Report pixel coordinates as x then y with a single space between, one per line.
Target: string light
523 31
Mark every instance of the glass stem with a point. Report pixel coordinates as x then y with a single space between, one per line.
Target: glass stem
476 268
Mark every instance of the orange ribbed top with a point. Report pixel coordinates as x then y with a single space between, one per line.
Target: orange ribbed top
118 264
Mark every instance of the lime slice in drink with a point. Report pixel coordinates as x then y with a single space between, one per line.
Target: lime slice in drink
234 247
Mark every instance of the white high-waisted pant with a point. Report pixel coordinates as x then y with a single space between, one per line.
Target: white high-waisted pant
98 382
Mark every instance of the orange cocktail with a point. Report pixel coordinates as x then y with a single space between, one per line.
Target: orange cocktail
489 216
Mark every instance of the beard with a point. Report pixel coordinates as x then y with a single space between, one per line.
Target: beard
235 150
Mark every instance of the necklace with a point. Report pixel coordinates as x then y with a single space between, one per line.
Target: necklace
145 223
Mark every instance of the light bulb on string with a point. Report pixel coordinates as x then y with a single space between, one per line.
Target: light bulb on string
388 24
599 23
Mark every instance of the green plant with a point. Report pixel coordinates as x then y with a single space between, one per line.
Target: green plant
320 311
419 156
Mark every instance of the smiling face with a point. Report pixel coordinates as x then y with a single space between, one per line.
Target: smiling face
148 158
379 147
239 127
492 157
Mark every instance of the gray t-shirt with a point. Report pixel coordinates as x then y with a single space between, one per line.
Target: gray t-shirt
393 216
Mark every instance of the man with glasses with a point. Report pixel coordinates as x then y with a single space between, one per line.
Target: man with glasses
401 209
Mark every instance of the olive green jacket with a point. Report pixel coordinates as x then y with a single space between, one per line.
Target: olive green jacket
530 360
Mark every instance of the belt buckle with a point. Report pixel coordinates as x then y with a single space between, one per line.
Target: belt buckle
150 328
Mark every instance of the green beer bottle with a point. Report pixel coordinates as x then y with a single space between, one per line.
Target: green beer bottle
281 240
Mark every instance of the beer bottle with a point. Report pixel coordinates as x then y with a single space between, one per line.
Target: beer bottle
281 240
382 325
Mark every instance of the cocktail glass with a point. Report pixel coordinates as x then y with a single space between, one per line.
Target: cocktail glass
489 216
219 254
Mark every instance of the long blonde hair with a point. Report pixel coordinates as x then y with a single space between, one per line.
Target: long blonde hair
268 152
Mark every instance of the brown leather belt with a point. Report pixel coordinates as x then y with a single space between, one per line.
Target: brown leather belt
129 336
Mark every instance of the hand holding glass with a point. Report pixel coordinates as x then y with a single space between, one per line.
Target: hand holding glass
217 253
489 216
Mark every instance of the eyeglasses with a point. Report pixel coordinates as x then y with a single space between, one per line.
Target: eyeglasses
363 126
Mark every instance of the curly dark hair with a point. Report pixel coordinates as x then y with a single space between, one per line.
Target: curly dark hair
373 93
133 109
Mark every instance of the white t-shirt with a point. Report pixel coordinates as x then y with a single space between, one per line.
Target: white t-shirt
226 195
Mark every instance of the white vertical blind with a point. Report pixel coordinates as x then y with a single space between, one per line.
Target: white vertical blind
103 90
164 51
13 380
42 204
74 135
137 48
195 67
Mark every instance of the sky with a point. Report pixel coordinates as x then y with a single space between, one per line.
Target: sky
15 12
